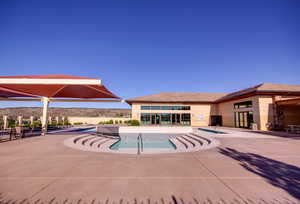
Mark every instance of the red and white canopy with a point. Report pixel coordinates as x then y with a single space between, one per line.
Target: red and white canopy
55 86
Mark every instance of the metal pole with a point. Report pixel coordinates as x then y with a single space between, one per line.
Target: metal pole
45 115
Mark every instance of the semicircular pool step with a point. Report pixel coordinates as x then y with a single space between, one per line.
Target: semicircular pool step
189 142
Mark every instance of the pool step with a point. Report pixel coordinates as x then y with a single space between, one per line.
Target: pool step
192 142
187 142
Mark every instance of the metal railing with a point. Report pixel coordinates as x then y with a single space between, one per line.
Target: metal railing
140 144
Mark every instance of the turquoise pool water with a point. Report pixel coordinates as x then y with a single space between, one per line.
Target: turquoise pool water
211 131
150 140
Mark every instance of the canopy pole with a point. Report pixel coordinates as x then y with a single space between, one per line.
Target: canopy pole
45 115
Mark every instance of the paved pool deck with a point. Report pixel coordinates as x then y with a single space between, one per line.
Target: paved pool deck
241 170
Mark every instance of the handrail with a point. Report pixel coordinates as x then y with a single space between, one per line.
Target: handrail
139 144
142 143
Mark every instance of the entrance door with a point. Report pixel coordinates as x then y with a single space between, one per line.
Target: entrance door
157 119
243 119
175 119
153 119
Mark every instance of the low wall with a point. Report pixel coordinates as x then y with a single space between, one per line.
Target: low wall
145 129
94 120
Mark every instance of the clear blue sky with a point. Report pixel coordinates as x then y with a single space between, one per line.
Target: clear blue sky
140 47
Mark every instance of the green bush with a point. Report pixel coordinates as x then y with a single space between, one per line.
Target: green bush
135 123
11 123
66 122
120 121
132 122
78 123
36 124
106 122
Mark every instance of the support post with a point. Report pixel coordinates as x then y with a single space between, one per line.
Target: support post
20 119
31 120
5 122
45 115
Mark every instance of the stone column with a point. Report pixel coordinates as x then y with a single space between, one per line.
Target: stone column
5 122
45 115
20 119
57 119
31 120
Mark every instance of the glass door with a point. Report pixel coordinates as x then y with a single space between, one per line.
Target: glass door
175 119
157 119
153 119
243 119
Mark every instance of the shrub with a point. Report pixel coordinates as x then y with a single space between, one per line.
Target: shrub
66 122
78 123
132 122
120 121
135 123
36 124
11 123
110 122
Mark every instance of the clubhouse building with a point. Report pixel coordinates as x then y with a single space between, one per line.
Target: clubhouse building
264 106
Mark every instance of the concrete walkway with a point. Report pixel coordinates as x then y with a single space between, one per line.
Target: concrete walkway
240 170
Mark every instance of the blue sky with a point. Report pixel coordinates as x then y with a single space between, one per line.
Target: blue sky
141 47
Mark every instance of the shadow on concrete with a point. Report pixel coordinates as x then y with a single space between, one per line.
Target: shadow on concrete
279 174
277 134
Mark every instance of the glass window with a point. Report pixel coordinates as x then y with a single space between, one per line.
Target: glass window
186 118
145 118
244 104
165 108
165 118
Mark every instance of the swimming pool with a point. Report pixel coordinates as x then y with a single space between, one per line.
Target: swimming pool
144 142
211 131
140 140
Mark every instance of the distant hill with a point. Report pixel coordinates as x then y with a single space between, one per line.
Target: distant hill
26 112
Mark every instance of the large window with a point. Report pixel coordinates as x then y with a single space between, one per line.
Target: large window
186 119
165 118
145 119
244 104
165 108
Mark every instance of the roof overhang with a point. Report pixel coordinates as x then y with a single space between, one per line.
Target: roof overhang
255 93
293 101
169 102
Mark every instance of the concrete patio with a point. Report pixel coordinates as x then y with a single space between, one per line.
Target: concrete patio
240 170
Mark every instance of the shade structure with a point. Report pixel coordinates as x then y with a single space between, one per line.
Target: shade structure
49 87
57 86
7 93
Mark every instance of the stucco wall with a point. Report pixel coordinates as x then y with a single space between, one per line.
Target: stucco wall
265 111
226 109
200 113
